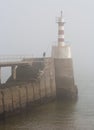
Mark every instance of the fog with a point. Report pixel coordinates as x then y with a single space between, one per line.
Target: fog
28 27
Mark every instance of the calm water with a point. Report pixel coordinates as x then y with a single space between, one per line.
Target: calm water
59 115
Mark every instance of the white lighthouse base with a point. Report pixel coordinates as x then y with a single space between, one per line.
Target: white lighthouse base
61 52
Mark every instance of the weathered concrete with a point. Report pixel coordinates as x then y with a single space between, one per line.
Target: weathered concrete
14 97
39 82
65 86
14 72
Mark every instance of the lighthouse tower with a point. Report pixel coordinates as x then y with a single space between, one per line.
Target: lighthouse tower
61 50
60 22
61 53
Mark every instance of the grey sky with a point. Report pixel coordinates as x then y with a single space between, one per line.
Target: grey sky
29 27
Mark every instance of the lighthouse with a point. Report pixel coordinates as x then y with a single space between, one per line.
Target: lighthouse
60 22
61 50
61 53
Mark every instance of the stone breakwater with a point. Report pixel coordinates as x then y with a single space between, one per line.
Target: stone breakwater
43 80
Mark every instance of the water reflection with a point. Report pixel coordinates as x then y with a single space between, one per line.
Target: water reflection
53 115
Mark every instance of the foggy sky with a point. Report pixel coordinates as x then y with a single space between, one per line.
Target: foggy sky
28 27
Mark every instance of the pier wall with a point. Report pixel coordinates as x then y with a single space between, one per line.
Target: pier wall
44 80
17 96
64 76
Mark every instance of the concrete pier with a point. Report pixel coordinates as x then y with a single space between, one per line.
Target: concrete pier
20 94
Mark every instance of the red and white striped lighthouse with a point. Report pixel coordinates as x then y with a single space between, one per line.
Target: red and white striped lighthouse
61 50
60 22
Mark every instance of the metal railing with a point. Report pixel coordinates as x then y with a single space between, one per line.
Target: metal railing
13 58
